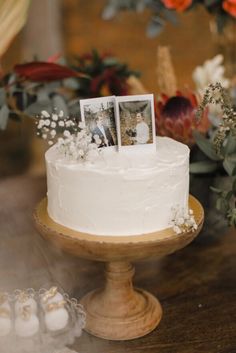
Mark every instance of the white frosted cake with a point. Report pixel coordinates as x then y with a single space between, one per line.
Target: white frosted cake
132 192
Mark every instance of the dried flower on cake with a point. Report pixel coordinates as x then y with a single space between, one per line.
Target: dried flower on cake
183 221
72 139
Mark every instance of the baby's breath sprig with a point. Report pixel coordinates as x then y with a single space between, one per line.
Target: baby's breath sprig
216 94
50 126
183 221
72 139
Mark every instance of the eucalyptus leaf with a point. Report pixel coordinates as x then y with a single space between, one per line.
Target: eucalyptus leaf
222 205
155 27
11 81
170 15
51 87
205 146
42 96
209 3
220 22
71 83
109 11
37 107
229 195
203 167
214 118
2 96
216 190
60 104
234 186
230 146
229 164
4 115
111 61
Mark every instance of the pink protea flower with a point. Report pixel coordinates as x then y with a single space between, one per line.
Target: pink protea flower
175 117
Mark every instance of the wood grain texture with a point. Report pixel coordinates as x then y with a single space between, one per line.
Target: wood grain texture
118 311
195 285
118 248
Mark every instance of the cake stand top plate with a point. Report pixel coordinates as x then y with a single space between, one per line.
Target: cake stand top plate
115 248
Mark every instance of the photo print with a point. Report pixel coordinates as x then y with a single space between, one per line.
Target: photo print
135 121
98 114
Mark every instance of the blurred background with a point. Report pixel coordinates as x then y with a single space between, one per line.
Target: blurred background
65 29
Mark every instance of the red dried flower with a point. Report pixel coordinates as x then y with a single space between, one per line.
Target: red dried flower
45 71
108 81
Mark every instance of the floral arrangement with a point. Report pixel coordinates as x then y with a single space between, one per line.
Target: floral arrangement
175 117
211 71
36 86
72 140
166 10
108 75
183 221
219 149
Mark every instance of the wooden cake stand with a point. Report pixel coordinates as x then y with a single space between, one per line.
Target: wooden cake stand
118 311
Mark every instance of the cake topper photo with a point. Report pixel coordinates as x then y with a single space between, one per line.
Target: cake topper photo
98 114
135 121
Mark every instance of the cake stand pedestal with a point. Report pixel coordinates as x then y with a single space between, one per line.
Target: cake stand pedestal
118 311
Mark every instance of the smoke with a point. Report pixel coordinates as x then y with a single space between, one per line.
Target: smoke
28 261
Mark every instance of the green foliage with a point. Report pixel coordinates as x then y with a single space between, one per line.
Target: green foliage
220 150
203 167
103 74
206 146
160 14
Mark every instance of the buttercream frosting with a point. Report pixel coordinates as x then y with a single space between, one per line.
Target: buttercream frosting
130 192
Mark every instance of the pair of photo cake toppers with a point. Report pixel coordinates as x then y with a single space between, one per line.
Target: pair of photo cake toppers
124 121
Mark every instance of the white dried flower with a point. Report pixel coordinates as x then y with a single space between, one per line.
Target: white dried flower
44 136
183 221
47 122
78 146
82 125
54 117
61 123
81 153
69 123
67 133
53 124
211 71
61 114
53 133
45 114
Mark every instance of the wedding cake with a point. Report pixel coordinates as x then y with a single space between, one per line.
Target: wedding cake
131 192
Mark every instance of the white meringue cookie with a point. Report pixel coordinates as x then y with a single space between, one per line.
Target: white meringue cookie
5 326
58 297
29 302
26 328
57 319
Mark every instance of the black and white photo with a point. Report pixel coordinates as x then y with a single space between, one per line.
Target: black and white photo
98 114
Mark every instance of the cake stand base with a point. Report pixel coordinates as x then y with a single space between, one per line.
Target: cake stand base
120 312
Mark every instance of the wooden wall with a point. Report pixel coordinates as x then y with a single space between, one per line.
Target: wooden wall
125 36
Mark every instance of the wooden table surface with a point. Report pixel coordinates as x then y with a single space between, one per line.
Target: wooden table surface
196 286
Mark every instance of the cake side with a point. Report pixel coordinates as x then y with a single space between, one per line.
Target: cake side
128 193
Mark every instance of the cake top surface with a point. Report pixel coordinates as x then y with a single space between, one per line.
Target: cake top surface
168 152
